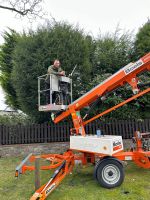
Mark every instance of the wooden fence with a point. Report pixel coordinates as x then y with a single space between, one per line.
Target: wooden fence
43 133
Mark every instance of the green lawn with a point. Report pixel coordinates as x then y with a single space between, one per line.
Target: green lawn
80 185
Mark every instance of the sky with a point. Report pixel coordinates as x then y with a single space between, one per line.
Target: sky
2 104
97 16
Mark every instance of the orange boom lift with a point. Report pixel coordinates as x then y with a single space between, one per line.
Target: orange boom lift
105 151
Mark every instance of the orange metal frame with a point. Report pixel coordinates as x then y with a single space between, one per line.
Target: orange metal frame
127 74
117 106
65 163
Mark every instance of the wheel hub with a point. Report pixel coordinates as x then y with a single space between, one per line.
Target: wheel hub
111 174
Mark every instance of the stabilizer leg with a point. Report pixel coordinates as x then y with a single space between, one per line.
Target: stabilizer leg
59 174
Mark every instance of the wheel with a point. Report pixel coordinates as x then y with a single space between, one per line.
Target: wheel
109 173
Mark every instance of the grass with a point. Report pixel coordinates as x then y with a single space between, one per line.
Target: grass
80 185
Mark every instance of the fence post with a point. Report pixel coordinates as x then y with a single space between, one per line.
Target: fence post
37 173
45 132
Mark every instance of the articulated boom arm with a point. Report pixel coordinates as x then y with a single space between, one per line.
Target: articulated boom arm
105 152
127 74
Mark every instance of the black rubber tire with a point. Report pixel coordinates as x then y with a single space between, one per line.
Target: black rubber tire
109 173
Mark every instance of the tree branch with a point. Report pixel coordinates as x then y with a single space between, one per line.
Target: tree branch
15 10
24 7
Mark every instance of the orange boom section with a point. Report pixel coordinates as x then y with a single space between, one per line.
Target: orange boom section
127 74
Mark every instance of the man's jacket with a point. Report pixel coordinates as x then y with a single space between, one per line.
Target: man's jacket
52 70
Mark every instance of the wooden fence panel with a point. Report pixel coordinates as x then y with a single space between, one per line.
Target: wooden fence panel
51 133
3 135
49 136
7 134
42 133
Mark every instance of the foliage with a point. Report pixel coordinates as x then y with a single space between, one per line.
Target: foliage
142 41
34 53
128 111
143 103
112 52
25 57
141 47
13 119
6 66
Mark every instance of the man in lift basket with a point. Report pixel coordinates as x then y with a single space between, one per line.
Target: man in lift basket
56 70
